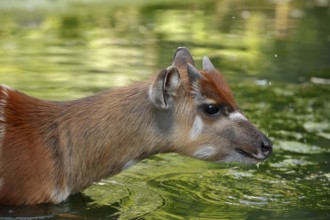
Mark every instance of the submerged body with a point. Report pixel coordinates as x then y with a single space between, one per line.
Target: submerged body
49 150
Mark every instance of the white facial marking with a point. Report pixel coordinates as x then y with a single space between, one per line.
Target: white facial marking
59 195
197 128
237 116
209 101
205 151
129 164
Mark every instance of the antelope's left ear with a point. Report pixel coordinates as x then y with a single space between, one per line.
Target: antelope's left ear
164 88
193 73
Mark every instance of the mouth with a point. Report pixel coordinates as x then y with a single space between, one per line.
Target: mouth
248 155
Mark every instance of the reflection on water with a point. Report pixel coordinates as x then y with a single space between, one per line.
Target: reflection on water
275 56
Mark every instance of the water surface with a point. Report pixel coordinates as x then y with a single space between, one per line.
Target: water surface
275 56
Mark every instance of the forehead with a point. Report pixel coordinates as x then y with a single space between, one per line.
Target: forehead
214 86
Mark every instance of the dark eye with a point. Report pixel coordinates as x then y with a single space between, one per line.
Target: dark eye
211 109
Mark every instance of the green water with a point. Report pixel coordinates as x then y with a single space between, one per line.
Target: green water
276 57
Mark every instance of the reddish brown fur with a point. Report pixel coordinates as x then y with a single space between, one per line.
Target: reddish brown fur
215 87
25 156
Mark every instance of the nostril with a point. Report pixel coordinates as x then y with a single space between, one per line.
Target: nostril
266 147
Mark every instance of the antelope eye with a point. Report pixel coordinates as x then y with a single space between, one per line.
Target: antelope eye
211 109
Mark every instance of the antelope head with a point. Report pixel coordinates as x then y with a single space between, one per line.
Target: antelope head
203 119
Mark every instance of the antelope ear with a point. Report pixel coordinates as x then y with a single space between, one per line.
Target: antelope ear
193 73
207 65
181 58
164 88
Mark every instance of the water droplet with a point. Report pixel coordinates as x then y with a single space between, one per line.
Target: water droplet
245 14
275 55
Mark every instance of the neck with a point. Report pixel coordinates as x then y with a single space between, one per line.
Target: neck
104 134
